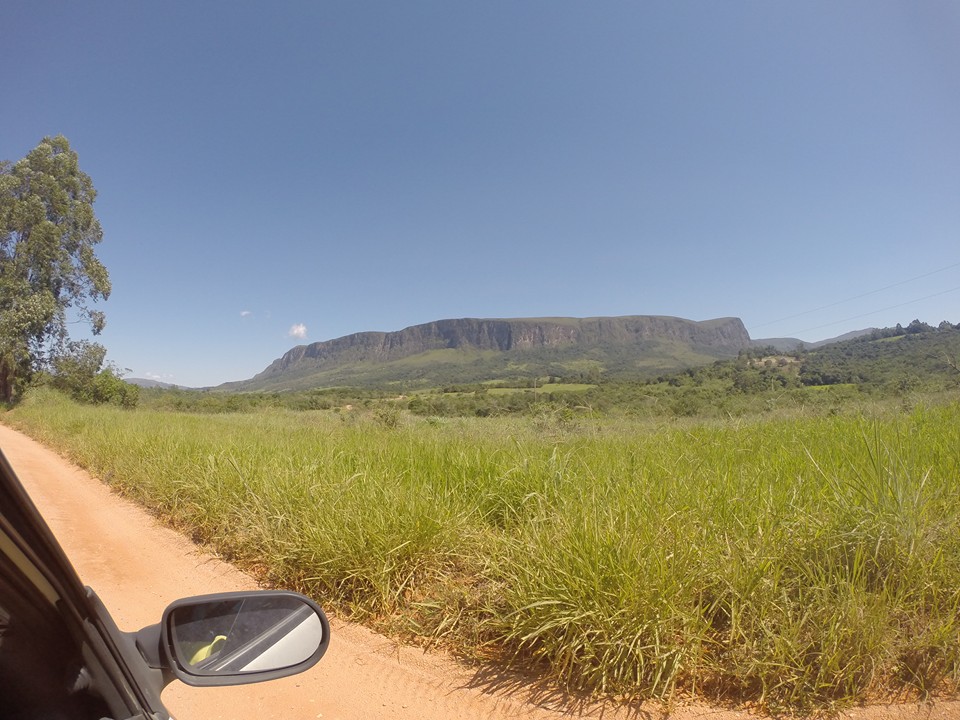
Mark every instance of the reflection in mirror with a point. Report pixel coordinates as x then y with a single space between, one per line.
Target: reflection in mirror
244 635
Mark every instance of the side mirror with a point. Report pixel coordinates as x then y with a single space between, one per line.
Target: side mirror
242 637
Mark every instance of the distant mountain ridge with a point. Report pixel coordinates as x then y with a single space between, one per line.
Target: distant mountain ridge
518 334
474 349
150 383
790 344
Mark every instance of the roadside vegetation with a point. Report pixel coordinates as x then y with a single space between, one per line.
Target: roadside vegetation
802 554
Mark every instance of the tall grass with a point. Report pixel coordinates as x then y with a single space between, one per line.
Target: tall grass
801 563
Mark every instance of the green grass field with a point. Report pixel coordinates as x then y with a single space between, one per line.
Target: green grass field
801 562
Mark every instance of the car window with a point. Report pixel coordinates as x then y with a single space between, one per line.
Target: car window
42 674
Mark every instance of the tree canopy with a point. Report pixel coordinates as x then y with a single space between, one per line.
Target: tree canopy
48 233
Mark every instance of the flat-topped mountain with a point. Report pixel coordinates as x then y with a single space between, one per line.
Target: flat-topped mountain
474 350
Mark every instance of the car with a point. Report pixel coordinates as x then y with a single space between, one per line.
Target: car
62 657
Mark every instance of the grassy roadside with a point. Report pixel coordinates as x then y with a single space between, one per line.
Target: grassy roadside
800 562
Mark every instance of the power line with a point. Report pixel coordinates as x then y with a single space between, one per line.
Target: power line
875 312
857 297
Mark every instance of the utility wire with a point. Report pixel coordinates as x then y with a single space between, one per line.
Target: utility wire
874 312
857 297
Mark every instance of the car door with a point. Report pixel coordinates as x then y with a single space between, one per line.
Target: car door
58 657
62 656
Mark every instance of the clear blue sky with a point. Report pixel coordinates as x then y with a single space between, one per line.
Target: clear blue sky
271 174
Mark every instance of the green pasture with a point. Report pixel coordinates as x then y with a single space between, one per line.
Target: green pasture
801 562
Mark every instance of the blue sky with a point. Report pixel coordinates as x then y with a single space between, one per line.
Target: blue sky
277 173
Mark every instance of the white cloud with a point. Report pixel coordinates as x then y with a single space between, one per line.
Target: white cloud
298 331
246 314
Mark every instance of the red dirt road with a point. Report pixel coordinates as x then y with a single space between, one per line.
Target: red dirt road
137 567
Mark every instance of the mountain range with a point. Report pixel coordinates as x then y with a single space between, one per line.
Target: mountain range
479 350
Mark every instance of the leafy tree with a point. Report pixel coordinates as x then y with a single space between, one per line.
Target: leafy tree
918 327
80 372
48 232
79 364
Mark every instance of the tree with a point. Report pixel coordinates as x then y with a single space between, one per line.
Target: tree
80 372
48 232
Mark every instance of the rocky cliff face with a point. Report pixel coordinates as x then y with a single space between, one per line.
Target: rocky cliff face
725 334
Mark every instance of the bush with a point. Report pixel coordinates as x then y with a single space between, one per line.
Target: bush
388 416
109 388
80 374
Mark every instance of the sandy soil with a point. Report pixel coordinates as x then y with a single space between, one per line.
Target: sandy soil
138 567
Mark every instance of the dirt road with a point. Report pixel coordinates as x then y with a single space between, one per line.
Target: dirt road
138 567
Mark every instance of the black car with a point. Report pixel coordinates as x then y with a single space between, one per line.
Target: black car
63 658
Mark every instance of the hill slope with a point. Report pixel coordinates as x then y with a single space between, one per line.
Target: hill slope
791 344
475 350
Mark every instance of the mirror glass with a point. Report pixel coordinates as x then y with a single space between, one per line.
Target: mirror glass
244 635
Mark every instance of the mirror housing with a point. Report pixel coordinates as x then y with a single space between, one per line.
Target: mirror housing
237 638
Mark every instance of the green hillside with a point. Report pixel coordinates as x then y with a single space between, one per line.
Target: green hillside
895 363
891 362
445 366
478 351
